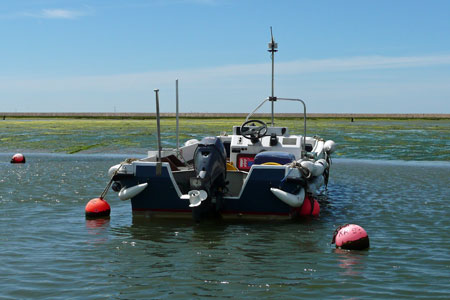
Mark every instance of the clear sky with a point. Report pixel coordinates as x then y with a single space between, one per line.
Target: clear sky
339 56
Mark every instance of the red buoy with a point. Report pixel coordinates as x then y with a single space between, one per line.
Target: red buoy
351 237
97 208
310 207
18 158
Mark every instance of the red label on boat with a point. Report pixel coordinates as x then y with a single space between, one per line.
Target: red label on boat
245 161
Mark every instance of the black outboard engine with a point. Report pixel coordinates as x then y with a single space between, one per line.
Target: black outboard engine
210 161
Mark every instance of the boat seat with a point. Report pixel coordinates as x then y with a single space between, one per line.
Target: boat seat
173 161
278 157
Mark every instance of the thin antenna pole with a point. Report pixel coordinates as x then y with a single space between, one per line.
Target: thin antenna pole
178 141
158 125
273 48
273 80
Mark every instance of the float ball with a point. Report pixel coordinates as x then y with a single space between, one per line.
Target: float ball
18 158
351 237
97 208
310 207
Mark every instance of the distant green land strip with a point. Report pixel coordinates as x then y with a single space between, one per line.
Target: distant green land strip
218 115
376 138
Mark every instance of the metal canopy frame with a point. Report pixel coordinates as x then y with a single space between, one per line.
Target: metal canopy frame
304 117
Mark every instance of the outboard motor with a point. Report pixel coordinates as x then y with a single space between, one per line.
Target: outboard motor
210 161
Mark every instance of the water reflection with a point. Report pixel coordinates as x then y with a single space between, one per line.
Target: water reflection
156 230
351 262
96 226
98 230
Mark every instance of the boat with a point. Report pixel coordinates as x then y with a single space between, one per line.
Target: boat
258 171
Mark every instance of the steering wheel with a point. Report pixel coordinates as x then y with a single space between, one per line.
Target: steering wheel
254 133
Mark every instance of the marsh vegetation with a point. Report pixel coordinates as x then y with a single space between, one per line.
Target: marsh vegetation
366 138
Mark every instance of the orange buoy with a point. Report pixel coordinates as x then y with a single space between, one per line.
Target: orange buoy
97 208
351 237
18 158
310 207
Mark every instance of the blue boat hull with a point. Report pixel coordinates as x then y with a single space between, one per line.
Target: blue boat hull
255 200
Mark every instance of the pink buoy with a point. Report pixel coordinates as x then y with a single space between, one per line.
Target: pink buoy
351 237
97 208
18 158
310 207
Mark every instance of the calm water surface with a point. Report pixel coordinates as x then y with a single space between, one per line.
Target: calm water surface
49 251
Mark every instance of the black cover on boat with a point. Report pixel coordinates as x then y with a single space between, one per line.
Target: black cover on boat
211 158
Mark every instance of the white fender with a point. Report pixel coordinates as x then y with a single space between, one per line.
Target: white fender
195 197
315 184
329 146
316 168
288 198
319 167
113 170
318 148
308 165
128 193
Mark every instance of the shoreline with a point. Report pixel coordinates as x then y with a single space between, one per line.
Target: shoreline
105 115
125 155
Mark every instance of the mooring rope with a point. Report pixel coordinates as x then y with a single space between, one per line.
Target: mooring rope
105 191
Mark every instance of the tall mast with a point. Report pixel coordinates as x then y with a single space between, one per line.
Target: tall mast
272 48
158 128
177 113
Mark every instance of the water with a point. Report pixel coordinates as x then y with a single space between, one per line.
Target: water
49 251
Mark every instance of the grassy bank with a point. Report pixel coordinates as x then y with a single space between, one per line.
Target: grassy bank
416 139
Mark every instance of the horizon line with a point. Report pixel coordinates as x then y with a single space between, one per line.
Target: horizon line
222 115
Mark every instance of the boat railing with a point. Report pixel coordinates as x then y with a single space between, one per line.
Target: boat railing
286 99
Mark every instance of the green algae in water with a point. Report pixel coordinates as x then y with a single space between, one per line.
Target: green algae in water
370 139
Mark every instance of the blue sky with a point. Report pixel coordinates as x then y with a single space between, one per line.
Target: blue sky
338 56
